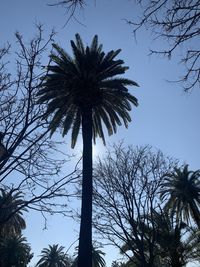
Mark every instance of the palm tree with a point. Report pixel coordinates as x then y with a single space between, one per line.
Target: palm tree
97 258
172 247
53 257
11 220
182 187
14 251
177 244
84 91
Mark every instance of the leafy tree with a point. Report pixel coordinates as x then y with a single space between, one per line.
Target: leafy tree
53 256
14 251
11 220
85 91
182 190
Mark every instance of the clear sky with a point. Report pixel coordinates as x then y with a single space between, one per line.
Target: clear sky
166 117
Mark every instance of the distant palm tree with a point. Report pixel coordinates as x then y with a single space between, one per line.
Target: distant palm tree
84 92
11 220
97 258
54 256
14 252
182 187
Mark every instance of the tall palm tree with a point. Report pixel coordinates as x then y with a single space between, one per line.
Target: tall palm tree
181 188
11 220
14 251
54 256
85 91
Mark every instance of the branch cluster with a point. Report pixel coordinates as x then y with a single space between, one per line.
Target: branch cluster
126 194
177 22
30 162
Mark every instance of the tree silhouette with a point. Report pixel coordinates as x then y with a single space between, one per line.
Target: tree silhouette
11 220
14 251
85 91
26 152
182 188
53 256
97 258
127 184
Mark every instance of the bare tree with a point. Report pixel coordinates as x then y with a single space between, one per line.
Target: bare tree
30 162
126 194
178 23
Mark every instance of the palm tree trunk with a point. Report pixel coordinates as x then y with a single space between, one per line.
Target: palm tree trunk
85 236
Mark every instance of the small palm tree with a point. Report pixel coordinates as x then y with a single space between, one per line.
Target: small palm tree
86 92
11 220
97 258
14 251
182 187
53 256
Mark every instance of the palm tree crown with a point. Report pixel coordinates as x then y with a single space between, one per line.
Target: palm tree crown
183 188
11 220
97 258
14 251
53 256
86 81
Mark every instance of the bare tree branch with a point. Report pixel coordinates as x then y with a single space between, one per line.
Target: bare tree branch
71 7
178 23
32 163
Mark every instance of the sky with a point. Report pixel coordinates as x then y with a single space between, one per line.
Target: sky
166 118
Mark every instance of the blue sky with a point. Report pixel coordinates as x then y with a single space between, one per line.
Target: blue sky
166 117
